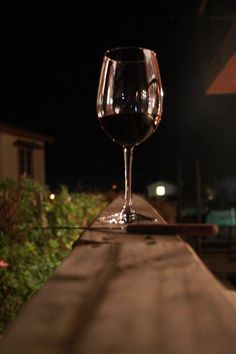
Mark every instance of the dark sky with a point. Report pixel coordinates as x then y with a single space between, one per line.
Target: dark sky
51 56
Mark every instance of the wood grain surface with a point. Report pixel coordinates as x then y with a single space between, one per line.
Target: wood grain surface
127 294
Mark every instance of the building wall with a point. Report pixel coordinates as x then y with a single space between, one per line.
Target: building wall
9 158
39 165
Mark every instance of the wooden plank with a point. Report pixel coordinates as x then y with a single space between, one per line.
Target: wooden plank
119 293
114 233
54 316
162 300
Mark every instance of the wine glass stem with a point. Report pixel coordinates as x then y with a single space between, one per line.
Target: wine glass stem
128 159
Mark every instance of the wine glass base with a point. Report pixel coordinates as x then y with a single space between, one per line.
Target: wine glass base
123 218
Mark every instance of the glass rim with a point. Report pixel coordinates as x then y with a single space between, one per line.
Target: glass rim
108 53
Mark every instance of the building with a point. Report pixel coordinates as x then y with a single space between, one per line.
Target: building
163 196
22 153
217 33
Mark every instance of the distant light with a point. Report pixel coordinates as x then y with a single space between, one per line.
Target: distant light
160 190
117 109
52 196
114 187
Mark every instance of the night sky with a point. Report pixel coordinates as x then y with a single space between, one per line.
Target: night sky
51 58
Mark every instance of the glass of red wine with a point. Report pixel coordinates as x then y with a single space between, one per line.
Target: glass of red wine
129 109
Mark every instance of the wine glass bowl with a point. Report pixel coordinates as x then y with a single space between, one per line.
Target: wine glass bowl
129 109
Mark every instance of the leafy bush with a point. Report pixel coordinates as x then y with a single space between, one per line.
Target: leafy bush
28 255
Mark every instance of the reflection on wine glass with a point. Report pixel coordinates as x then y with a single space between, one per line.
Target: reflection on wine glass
129 108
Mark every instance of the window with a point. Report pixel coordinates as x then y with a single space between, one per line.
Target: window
26 161
160 190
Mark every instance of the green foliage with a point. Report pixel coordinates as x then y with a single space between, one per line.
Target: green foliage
32 254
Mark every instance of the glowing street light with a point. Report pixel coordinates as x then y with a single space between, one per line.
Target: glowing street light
52 196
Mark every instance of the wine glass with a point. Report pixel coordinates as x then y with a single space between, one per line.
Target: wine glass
129 109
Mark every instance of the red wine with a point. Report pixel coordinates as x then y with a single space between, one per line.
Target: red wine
128 129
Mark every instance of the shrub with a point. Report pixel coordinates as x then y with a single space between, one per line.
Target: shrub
28 255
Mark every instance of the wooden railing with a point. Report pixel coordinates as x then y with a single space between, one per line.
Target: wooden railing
118 293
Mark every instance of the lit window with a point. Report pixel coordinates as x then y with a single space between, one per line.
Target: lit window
160 190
